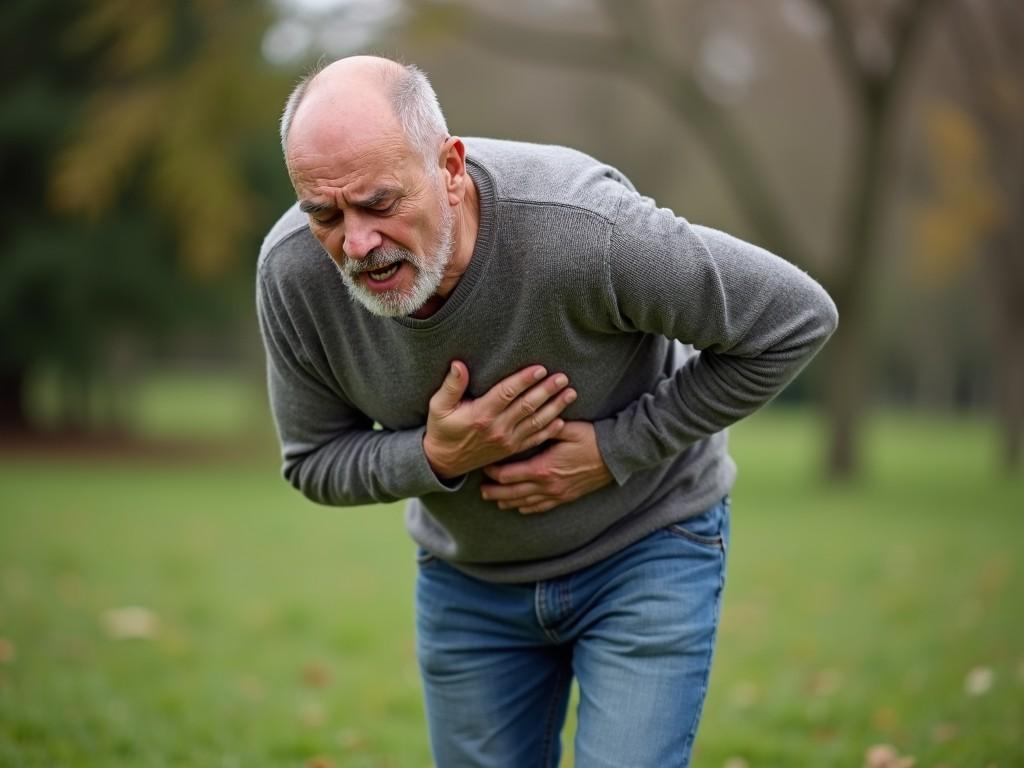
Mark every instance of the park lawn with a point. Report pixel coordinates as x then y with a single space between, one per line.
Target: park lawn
279 633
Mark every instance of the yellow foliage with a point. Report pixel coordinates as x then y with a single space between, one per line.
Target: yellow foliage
133 35
179 122
964 206
118 126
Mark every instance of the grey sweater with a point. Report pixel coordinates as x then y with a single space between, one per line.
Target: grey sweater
574 270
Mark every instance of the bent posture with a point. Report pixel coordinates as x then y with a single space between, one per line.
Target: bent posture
552 361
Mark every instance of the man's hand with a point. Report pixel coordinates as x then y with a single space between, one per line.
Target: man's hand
570 468
518 413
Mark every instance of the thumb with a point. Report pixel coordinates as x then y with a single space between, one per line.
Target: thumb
453 387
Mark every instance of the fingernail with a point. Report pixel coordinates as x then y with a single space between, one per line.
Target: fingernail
561 380
454 370
570 395
539 374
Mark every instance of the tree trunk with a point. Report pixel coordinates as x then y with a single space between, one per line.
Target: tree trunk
13 415
1008 276
845 395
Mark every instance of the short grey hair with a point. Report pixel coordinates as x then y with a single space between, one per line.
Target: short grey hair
413 101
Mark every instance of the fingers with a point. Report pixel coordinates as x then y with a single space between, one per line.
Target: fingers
448 397
502 493
541 506
516 472
522 496
541 405
504 393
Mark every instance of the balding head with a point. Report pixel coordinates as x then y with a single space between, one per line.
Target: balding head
361 96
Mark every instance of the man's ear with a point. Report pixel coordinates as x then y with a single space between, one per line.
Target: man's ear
453 168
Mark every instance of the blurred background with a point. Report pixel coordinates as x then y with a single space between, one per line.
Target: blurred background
166 599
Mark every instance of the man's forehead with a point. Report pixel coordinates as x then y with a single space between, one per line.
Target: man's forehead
342 110
346 164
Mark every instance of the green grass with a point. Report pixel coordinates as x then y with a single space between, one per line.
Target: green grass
852 615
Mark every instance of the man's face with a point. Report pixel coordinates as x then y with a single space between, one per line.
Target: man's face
382 216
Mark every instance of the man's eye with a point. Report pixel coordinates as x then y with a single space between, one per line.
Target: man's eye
384 207
325 219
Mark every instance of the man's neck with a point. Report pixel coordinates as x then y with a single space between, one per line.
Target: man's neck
467 227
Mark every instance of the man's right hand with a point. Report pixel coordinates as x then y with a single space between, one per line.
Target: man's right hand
518 413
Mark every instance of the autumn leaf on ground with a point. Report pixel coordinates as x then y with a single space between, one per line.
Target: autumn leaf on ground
886 756
316 675
131 622
6 651
979 681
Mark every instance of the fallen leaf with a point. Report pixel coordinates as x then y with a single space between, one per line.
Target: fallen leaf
131 622
319 762
885 718
979 681
744 694
825 735
944 732
879 756
824 683
316 675
735 762
6 651
886 756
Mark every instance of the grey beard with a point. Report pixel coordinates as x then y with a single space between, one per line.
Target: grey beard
429 274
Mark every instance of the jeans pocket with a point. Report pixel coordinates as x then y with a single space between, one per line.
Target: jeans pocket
708 529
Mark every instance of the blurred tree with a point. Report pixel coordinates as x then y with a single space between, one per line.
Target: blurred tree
138 147
978 199
873 45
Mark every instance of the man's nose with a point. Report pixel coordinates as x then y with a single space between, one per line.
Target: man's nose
360 237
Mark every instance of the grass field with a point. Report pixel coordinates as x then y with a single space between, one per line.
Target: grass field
271 632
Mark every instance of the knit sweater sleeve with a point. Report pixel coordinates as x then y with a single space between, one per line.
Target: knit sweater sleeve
331 451
756 319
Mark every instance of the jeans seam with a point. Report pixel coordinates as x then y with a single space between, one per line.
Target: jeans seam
549 720
714 542
691 735
539 603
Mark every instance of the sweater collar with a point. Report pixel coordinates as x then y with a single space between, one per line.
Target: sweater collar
485 237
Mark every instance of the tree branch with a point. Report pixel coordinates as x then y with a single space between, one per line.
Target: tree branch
846 50
632 57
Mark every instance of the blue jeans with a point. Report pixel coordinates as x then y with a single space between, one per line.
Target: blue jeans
637 631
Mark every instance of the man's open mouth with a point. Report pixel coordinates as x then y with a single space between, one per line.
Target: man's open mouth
380 275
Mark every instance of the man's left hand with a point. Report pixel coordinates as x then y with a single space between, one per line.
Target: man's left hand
570 468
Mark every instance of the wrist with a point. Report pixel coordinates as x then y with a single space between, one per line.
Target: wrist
440 467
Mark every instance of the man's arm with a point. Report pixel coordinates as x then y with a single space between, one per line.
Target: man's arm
333 455
756 319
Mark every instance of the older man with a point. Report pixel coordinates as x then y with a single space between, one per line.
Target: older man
522 325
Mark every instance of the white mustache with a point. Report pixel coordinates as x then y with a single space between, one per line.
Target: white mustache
377 259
